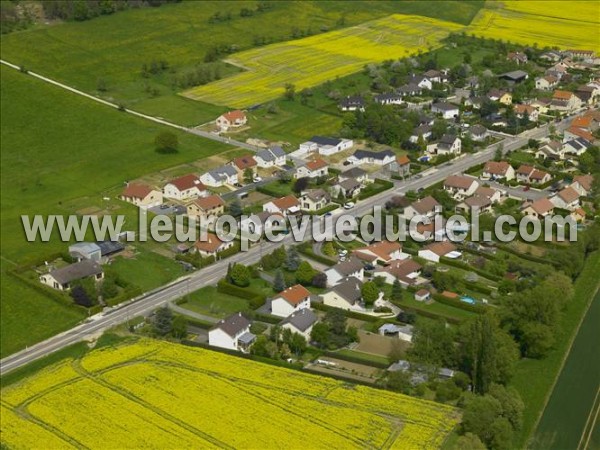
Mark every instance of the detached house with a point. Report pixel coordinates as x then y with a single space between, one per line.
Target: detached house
460 186
480 203
517 57
350 268
406 271
400 166
421 81
312 169
546 83
61 279
529 174
567 198
206 207
142 196
539 208
184 188
436 76
583 184
349 187
423 131
290 300
244 163
576 146
220 176
271 157
433 252
211 246
500 96
352 103
356 173
447 110
529 111
448 144
381 252
389 99
551 149
231 119
382 158
494 170
300 322
565 101
345 295
427 206
232 333
325 145
314 200
283 205
493 194
261 222
478 132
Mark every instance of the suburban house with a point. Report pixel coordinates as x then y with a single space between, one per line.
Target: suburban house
283 205
325 145
586 55
494 170
400 166
448 144
575 132
567 198
460 186
206 207
381 252
528 111
290 300
300 322
244 163
211 246
232 333
529 174
350 268
85 251
356 173
231 119
389 99
352 103
500 96
345 295
433 252
427 206
409 90
589 93
478 132
546 83
185 187
350 187
314 200
382 158
142 195
565 101
220 176
551 149
261 222
403 332
539 208
493 194
517 57
271 157
576 146
421 81
422 295
583 184
422 131
312 169
406 271
436 76
62 278
514 77
479 202
447 110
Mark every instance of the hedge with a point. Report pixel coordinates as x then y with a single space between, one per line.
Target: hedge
197 323
307 250
531 258
462 265
458 303
355 359
477 287
427 313
372 189
255 299
267 318
348 314
322 211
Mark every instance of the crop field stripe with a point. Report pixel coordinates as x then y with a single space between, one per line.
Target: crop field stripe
590 423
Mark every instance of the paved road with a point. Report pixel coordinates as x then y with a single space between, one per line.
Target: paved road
186 312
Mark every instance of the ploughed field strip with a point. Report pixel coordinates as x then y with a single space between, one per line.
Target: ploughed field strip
195 397
311 61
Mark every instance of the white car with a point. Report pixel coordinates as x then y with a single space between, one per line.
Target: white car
349 205
257 179
343 252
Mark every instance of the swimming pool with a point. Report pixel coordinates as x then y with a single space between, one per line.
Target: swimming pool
467 299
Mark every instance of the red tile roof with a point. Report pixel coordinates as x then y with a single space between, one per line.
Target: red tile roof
581 133
295 294
234 115
244 162
136 191
585 181
187 182
441 248
316 164
562 95
402 160
458 181
210 245
496 167
210 202
286 202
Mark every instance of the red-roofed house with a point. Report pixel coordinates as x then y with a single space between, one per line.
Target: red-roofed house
231 119
539 208
290 300
384 252
211 245
567 198
583 184
141 195
243 163
283 205
185 187
565 101
433 252
460 186
498 169
315 168
401 166
532 113
206 207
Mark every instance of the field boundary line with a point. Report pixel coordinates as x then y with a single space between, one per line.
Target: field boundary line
564 359
593 416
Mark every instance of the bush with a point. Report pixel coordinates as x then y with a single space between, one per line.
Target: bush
255 299
166 142
375 188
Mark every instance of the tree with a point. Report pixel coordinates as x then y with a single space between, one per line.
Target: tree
109 288
284 176
248 175
305 273
396 294
235 208
101 85
439 128
320 280
502 434
81 297
166 142
328 249
300 184
432 343
179 327
511 403
297 344
163 321
279 281
320 335
479 414
498 153
290 91
240 275
396 352
469 441
399 381
369 292
292 259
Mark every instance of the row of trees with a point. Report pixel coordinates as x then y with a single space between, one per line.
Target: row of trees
80 10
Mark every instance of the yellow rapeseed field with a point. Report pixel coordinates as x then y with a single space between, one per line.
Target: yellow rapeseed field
150 394
313 60
563 24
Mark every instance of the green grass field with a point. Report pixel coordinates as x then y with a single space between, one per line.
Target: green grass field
60 153
211 302
534 378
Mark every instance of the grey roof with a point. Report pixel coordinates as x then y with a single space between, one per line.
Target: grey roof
444 106
448 139
76 271
387 96
360 154
478 130
277 151
317 194
322 140
222 172
352 100
401 365
422 129
354 172
349 289
301 320
515 75
233 324
84 248
247 338
348 267
349 184
109 247
265 155
393 328
409 88
578 144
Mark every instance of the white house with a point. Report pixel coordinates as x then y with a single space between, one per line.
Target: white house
565 101
184 188
141 195
583 184
546 83
85 250
381 252
382 158
355 173
271 157
447 110
433 252
300 322
283 205
290 300
211 246
498 169
352 103
314 200
460 186
312 169
406 271
448 144
423 131
232 333
427 206
345 295
350 268
493 194
576 146
567 198
422 295
539 208
389 99
62 278
325 145
220 176
231 119
206 207
421 81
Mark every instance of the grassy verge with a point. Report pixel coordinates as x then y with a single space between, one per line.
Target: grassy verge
534 379
365 357
210 301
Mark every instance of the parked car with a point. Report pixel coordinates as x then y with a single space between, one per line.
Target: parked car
349 205
343 252
257 179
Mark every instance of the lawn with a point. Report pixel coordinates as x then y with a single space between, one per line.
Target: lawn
365 357
277 189
211 302
439 309
535 389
